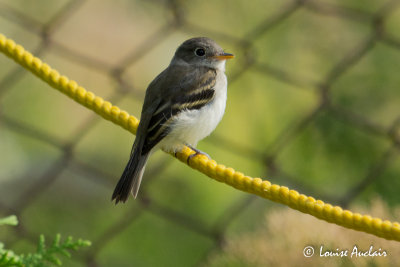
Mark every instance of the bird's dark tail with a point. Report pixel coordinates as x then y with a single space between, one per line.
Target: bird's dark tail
131 178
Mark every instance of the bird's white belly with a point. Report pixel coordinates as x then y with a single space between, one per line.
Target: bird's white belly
191 126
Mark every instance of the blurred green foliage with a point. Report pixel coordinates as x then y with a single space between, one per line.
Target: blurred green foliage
44 256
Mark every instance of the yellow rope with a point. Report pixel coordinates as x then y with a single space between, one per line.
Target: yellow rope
281 194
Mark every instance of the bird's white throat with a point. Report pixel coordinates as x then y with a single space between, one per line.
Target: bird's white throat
218 65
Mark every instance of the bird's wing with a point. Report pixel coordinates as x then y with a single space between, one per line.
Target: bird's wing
180 90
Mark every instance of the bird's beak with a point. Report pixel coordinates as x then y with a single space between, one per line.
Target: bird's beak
224 56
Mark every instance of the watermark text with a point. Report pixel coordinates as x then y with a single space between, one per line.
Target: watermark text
354 252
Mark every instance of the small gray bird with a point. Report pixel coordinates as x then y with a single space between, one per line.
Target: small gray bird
183 104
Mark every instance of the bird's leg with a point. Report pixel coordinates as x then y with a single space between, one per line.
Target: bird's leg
195 154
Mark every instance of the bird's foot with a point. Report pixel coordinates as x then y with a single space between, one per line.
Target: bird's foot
198 152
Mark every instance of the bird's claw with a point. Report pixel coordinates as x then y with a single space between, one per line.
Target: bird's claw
197 152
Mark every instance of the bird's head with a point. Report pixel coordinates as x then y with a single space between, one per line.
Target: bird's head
201 51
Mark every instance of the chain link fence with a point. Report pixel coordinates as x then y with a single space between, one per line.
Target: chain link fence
313 104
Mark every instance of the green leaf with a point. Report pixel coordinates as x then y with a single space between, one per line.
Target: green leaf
10 220
43 256
56 241
8 258
53 259
41 245
49 256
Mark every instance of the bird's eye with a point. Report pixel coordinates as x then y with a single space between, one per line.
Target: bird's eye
200 52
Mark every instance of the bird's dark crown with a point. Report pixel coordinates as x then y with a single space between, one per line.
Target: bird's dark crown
191 50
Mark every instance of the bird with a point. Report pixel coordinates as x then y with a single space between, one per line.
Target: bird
182 105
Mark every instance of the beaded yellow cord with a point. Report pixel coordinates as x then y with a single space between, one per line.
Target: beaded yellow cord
281 194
